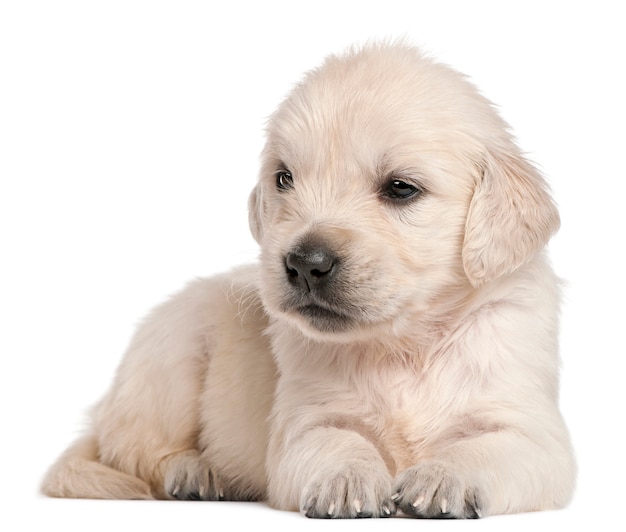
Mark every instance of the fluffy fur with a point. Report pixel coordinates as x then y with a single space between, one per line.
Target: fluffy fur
387 353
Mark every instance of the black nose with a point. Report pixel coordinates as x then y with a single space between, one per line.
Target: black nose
310 268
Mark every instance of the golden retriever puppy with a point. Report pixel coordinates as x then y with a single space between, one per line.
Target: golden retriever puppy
396 347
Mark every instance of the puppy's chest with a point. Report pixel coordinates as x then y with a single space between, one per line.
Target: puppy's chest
408 411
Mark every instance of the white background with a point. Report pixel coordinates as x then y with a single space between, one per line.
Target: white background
129 140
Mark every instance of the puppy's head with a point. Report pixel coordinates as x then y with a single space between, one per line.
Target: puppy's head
389 185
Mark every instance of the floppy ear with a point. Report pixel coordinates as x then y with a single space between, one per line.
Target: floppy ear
511 217
255 212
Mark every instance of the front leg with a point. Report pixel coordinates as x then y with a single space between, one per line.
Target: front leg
350 482
323 463
509 470
330 472
437 490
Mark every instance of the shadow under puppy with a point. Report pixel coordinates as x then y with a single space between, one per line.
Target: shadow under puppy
396 346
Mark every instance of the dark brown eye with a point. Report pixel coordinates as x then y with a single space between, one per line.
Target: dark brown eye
284 180
400 190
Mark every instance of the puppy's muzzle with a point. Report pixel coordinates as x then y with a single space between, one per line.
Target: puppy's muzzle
311 267
318 285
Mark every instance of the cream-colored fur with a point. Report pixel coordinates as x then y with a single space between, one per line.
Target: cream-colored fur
417 370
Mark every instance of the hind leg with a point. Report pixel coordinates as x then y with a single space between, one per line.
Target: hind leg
188 476
149 424
188 406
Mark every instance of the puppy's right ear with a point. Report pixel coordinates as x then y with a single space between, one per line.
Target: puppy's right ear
255 212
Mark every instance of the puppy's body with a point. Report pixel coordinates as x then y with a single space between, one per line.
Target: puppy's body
396 347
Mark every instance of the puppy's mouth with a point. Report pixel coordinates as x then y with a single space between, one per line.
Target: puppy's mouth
319 315
324 318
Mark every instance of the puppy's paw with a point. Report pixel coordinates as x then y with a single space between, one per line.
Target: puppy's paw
431 490
353 491
187 477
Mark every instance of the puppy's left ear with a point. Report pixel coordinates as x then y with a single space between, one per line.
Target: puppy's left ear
255 212
511 217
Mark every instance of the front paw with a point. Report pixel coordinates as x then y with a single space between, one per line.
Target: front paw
352 491
431 490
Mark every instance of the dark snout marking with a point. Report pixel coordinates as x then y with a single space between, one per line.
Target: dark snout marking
311 266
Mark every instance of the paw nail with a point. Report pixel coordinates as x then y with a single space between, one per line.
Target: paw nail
395 496
386 510
358 505
444 506
175 491
418 501
331 508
